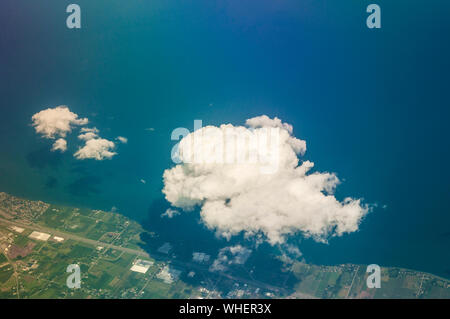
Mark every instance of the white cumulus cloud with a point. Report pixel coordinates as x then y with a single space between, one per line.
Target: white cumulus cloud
87 136
238 197
170 212
60 145
89 129
56 122
95 148
265 121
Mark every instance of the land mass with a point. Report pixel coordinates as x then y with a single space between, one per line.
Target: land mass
38 241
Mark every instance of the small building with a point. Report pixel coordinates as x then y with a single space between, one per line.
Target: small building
141 266
39 236
17 229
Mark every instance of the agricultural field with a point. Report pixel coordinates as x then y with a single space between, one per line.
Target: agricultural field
36 250
35 267
350 281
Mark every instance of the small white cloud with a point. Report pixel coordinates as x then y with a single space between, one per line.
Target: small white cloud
143 181
170 212
289 254
60 145
293 250
232 255
89 129
87 136
150 129
56 122
96 148
122 139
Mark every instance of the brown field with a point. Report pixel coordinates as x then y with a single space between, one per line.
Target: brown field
16 251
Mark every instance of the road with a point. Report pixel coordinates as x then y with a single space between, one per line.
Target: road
65 235
353 280
175 262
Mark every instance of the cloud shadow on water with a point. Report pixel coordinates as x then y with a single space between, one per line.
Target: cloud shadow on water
51 182
43 158
187 234
85 186
184 232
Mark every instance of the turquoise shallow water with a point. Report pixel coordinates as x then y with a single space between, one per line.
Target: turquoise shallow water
371 104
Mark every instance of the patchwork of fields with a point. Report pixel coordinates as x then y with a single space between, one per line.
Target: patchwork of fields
39 241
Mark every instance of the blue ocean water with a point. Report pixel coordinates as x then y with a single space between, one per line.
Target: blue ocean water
371 104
